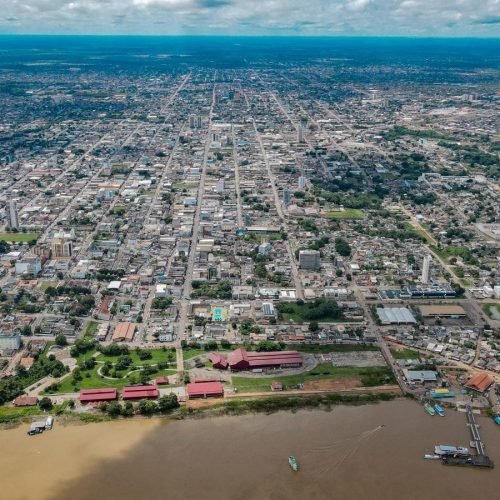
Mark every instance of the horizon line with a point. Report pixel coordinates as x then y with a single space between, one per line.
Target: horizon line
232 35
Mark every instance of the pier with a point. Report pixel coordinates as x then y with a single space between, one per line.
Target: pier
474 429
478 460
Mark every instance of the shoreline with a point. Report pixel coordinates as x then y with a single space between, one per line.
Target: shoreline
233 407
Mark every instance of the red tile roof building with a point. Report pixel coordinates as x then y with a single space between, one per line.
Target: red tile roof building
98 395
480 382
124 331
104 309
205 390
218 361
240 359
26 401
140 392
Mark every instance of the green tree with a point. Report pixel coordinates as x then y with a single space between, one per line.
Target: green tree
45 404
114 409
342 247
61 340
128 409
147 407
225 344
313 326
168 402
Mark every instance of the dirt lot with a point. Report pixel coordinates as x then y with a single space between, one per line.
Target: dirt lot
332 384
203 403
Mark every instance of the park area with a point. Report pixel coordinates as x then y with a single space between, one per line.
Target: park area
115 366
18 237
346 214
318 310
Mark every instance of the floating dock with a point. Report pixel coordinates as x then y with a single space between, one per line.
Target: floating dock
480 459
465 459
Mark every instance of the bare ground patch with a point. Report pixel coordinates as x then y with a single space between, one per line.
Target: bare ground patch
333 384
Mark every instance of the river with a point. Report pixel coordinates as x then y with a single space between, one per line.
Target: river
353 452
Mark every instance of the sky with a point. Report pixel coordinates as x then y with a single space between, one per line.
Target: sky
253 17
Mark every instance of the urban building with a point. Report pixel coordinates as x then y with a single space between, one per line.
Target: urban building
310 260
10 341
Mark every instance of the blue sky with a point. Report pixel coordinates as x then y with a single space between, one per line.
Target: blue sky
253 17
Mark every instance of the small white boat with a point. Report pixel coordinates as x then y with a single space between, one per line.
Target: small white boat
293 463
428 456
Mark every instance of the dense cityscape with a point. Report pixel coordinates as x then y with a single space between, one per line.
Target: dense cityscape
236 231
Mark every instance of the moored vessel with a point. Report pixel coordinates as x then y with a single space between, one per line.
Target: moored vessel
447 450
439 410
429 409
293 463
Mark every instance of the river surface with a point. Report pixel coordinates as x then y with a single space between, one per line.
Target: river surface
353 452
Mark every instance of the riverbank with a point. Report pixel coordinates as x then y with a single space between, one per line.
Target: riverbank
12 417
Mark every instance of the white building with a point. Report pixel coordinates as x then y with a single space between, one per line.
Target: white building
29 265
219 186
10 341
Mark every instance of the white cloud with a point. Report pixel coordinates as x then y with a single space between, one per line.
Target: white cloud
321 17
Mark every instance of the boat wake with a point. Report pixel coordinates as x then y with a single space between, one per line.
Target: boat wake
350 452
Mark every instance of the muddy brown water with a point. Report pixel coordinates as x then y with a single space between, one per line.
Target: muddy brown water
364 452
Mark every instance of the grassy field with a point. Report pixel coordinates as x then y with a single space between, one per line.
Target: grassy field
46 284
446 253
492 311
92 379
348 213
18 237
423 233
325 348
157 356
369 376
91 328
298 313
10 414
95 381
405 354
192 353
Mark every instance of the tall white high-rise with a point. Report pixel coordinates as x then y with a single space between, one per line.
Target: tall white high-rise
219 186
426 270
13 215
300 134
302 182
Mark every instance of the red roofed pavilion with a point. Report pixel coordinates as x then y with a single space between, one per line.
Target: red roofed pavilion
140 392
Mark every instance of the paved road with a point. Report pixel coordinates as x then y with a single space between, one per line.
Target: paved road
186 292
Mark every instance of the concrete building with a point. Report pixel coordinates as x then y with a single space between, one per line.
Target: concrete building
10 341
287 197
219 186
31 265
395 316
310 260
300 133
62 245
